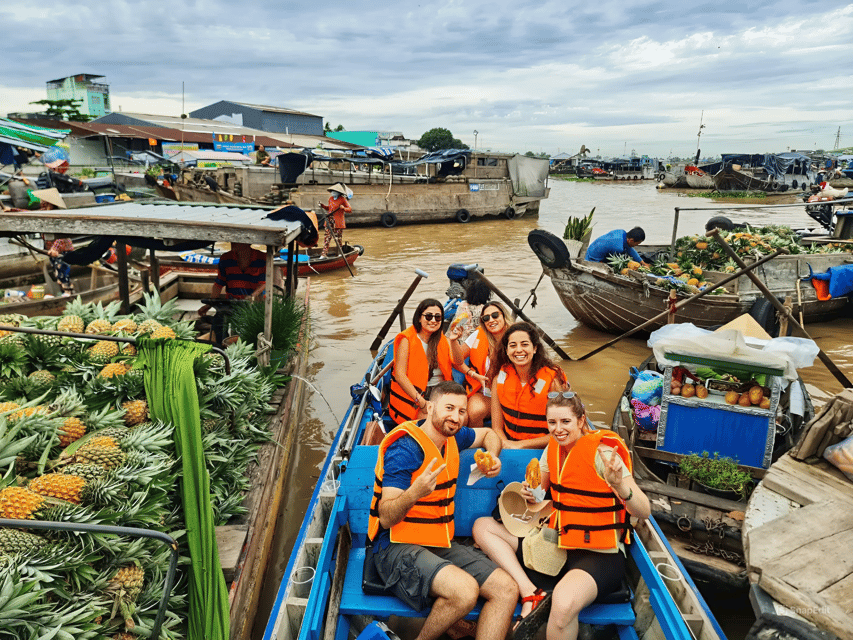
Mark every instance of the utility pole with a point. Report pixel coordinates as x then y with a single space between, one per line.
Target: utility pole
838 138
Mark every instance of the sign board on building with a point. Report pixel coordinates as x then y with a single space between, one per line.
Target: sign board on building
171 148
232 143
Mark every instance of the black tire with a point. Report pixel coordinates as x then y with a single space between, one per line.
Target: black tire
719 222
509 213
389 220
551 250
463 216
794 183
764 313
662 176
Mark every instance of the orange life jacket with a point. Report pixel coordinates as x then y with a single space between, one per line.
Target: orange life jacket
429 522
401 406
477 356
523 411
587 513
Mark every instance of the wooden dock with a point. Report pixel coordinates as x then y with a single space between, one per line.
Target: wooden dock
798 536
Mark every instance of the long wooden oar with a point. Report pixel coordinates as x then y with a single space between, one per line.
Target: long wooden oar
399 308
681 303
341 250
781 308
472 270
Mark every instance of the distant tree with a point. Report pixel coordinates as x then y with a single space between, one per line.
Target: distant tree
328 128
530 154
440 138
65 109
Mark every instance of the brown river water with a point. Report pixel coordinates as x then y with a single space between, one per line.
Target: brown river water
347 312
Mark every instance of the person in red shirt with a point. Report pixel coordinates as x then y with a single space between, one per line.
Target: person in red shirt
335 221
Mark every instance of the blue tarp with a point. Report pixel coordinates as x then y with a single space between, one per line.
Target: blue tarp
840 279
776 164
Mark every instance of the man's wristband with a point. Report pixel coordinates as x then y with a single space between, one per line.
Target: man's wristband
630 495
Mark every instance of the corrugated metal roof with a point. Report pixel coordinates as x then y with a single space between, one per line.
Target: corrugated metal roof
160 219
265 107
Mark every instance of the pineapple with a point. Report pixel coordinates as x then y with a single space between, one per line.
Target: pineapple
19 503
101 451
619 263
111 370
103 351
88 472
148 326
72 430
125 586
12 319
730 266
125 324
137 412
128 350
693 282
13 337
42 379
13 541
696 271
26 412
701 245
98 326
58 485
71 324
116 433
163 332
8 406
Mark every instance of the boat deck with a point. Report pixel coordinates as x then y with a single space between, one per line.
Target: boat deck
797 536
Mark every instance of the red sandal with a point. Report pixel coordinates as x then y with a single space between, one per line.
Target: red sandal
530 624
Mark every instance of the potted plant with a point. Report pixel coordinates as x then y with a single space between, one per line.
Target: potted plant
247 321
717 476
577 234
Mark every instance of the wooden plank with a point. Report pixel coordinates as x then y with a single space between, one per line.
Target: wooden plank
811 606
230 540
806 483
344 546
817 565
841 593
792 532
679 493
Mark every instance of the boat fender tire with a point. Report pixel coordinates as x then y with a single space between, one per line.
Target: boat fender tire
662 176
764 313
794 183
463 216
719 222
389 220
509 213
551 250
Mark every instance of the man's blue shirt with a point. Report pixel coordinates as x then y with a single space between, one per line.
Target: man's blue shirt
612 242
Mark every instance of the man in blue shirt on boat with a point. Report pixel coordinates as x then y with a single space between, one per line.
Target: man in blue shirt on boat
614 243
411 521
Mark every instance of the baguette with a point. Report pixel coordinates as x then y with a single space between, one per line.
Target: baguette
533 475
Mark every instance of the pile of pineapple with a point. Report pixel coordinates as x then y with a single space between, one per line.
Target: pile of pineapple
681 275
77 445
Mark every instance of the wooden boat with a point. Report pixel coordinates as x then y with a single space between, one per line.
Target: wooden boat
703 525
699 180
311 262
607 301
797 520
321 594
443 186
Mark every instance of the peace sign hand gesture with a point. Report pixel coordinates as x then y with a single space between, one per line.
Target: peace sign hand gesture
613 470
425 483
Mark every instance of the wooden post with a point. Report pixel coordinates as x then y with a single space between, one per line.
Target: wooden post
292 269
783 321
673 296
674 234
154 269
269 293
123 285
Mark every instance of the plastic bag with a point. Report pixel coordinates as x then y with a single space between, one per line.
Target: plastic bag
645 417
841 456
648 386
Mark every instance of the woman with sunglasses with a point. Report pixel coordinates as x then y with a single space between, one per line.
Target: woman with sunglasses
421 360
480 347
589 474
522 375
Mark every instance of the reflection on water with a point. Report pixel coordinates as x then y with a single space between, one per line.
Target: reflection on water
347 312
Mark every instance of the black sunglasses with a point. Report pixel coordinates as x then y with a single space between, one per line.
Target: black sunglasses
568 395
431 316
490 316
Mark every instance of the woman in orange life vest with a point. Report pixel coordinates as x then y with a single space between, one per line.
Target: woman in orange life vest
480 347
589 475
421 361
522 375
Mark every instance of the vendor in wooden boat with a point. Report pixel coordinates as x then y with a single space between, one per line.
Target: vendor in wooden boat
616 242
411 522
421 360
594 492
335 221
480 348
522 376
50 200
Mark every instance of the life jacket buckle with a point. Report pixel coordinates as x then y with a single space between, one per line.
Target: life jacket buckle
586 537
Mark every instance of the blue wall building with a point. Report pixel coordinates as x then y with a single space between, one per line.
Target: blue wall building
262 117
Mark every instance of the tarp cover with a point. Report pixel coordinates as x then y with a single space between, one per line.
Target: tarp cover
29 136
775 164
529 175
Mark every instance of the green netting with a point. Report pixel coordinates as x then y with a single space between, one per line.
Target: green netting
172 397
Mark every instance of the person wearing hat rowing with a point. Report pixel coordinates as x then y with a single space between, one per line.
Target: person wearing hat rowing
50 199
335 221
588 472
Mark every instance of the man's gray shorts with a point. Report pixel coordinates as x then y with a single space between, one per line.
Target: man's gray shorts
409 569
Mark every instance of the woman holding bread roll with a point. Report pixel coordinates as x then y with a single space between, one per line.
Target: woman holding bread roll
594 493
522 376
480 348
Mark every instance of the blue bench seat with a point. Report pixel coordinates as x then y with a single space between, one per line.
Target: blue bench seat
471 503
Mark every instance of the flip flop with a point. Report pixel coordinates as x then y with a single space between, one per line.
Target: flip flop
530 624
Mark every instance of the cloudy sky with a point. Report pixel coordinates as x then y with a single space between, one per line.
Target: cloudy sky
616 76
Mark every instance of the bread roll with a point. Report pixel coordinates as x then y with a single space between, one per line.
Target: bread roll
484 460
533 475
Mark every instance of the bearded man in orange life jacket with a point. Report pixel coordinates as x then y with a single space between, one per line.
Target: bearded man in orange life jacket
411 521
